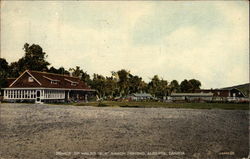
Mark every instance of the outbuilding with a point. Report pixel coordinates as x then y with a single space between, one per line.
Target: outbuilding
140 96
191 96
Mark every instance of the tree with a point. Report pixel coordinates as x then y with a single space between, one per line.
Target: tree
195 84
98 83
4 66
61 70
190 86
14 69
78 72
185 86
123 77
153 85
4 72
33 59
174 86
163 89
52 70
120 83
158 87
126 83
111 87
135 84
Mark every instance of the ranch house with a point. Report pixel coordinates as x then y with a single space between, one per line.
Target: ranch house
39 87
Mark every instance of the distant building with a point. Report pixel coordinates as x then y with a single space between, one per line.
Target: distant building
140 96
224 94
191 96
244 88
216 95
34 86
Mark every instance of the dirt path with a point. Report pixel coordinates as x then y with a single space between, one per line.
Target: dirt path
56 131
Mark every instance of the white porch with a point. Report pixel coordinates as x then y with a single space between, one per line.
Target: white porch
33 94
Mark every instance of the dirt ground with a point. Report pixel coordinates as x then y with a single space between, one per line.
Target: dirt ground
41 131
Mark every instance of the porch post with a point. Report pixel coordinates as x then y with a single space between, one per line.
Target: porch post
5 94
86 98
21 94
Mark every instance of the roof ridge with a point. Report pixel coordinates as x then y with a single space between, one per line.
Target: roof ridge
236 86
52 74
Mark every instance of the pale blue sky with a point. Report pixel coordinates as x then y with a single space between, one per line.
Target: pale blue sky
205 40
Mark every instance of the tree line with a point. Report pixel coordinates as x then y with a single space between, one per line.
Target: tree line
119 83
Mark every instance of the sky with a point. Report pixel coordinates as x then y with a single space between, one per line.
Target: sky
205 40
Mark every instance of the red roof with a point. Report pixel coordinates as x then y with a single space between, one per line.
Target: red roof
10 80
47 80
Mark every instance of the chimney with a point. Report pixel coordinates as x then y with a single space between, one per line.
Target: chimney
71 73
80 76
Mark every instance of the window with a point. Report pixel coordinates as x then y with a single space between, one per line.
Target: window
31 79
54 82
73 84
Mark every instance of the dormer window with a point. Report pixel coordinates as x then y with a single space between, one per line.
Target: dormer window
52 81
72 83
30 79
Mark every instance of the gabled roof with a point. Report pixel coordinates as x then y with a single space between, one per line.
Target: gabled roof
246 85
10 80
50 80
212 90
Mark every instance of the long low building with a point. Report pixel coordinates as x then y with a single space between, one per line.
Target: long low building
191 96
140 96
215 95
39 87
223 92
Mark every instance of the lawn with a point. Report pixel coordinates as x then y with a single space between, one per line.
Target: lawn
228 106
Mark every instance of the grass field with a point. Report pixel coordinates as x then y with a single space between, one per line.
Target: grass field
228 106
